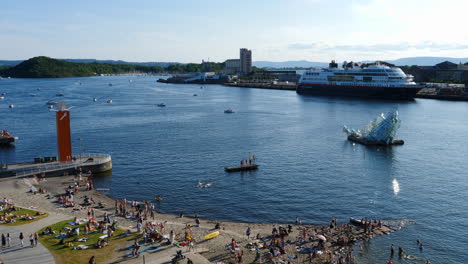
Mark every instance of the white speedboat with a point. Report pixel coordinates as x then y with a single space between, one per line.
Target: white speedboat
109 101
11 106
2 97
94 99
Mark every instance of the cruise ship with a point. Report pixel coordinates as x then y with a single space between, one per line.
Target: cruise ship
373 80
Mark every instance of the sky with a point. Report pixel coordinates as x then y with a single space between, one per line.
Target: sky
191 31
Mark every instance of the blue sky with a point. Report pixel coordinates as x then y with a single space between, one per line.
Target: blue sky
189 31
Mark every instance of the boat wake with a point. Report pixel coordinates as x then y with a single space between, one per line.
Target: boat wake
202 184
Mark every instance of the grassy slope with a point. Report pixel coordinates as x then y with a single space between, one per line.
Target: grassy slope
22 212
63 254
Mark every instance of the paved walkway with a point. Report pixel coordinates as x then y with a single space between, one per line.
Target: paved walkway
38 254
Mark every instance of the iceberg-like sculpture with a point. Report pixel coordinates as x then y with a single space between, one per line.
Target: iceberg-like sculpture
380 131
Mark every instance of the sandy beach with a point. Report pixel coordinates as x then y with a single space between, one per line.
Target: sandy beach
295 243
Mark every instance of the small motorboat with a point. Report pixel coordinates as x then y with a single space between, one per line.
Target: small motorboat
50 106
109 101
195 94
94 99
11 106
161 105
2 97
229 111
33 95
51 102
110 84
59 94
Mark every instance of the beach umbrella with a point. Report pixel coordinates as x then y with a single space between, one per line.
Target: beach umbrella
322 237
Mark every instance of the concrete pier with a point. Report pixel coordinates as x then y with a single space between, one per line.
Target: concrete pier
264 85
87 162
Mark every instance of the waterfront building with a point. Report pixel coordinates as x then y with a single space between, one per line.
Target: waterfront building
232 66
245 61
443 72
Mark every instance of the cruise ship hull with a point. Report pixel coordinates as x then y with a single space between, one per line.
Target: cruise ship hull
396 93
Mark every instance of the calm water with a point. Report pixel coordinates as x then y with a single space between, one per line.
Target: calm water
308 168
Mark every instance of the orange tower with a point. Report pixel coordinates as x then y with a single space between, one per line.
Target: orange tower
64 146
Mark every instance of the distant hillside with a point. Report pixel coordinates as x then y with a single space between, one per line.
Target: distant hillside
421 61
45 67
425 61
289 64
160 64
10 62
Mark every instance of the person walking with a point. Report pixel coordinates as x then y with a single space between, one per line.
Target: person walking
3 241
36 238
8 240
31 239
21 238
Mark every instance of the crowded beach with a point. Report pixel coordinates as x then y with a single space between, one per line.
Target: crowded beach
128 231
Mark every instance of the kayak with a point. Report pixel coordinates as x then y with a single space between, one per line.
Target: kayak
211 235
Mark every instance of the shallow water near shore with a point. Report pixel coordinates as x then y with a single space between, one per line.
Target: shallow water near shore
307 167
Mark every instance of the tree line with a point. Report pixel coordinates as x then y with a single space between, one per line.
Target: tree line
45 67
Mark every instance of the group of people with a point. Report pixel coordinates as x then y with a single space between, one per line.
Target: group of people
370 225
7 240
139 210
401 252
248 162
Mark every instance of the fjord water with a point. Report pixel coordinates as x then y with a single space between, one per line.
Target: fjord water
307 167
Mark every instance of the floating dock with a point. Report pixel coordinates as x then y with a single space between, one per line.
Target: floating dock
87 162
242 168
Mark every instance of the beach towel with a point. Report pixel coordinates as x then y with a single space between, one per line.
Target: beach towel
103 236
63 235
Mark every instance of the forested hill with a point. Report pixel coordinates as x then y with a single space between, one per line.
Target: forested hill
45 67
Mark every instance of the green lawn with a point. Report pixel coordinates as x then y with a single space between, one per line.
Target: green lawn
64 254
22 212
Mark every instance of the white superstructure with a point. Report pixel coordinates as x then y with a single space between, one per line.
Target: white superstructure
350 74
